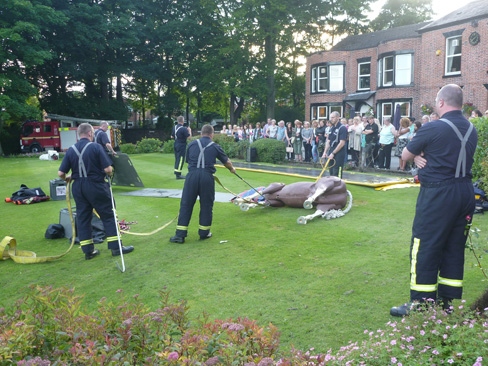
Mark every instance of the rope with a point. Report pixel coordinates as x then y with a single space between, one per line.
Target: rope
150 233
334 214
324 168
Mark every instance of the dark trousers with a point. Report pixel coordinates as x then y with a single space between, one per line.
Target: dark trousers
369 154
336 169
180 152
198 183
90 195
384 158
439 236
308 152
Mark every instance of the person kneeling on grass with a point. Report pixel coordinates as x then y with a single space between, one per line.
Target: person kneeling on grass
201 158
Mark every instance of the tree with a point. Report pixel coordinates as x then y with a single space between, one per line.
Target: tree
22 24
396 13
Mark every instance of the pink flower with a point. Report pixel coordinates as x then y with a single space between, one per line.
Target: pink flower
173 356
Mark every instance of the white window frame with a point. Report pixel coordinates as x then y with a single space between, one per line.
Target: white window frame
362 76
322 112
314 80
332 80
400 72
336 78
385 115
403 69
451 55
389 71
322 78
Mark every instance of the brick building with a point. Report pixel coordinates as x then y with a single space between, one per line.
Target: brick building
402 67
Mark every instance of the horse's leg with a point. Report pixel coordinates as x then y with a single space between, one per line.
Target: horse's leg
308 204
303 219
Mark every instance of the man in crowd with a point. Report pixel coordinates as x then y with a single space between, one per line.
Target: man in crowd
180 134
443 150
371 131
335 145
201 157
434 116
90 165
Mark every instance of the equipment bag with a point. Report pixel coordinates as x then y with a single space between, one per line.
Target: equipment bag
26 195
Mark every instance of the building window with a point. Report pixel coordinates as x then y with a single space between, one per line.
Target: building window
364 74
453 55
327 78
387 109
388 71
395 70
403 74
322 80
314 80
322 112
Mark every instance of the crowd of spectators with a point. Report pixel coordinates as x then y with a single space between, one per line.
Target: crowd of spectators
369 144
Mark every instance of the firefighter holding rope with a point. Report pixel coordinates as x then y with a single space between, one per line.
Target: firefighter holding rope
89 165
201 158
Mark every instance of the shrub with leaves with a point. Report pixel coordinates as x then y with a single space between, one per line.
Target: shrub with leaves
480 165
148 145
49 326
270 150
168 147
228 144
128 148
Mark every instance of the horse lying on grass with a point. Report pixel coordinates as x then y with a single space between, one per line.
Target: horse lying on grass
328 195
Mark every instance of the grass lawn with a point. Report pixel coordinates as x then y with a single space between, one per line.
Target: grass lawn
322 284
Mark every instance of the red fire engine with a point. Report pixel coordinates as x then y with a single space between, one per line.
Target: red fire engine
57 133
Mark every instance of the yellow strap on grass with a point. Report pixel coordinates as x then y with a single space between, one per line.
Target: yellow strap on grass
150 233
8 245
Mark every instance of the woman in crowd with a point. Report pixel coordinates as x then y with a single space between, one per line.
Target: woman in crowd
320 137
315 154
297 144
387 138
258 132
403 138
355 139
307 135
289 134
250 133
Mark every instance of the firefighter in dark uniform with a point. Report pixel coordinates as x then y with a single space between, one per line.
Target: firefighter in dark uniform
89 165
102 138
180 134
201 158
443 150
335 145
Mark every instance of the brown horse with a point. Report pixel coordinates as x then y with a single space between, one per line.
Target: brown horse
328 195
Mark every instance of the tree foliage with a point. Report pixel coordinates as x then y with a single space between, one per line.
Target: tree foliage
396 13
94 59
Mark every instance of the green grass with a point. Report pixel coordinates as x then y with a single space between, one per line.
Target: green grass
322 284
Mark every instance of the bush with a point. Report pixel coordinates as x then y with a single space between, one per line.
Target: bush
168 147
270 150
49 326
480 165
227 143
128 148
148 145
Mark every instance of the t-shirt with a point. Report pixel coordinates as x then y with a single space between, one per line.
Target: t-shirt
371 137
